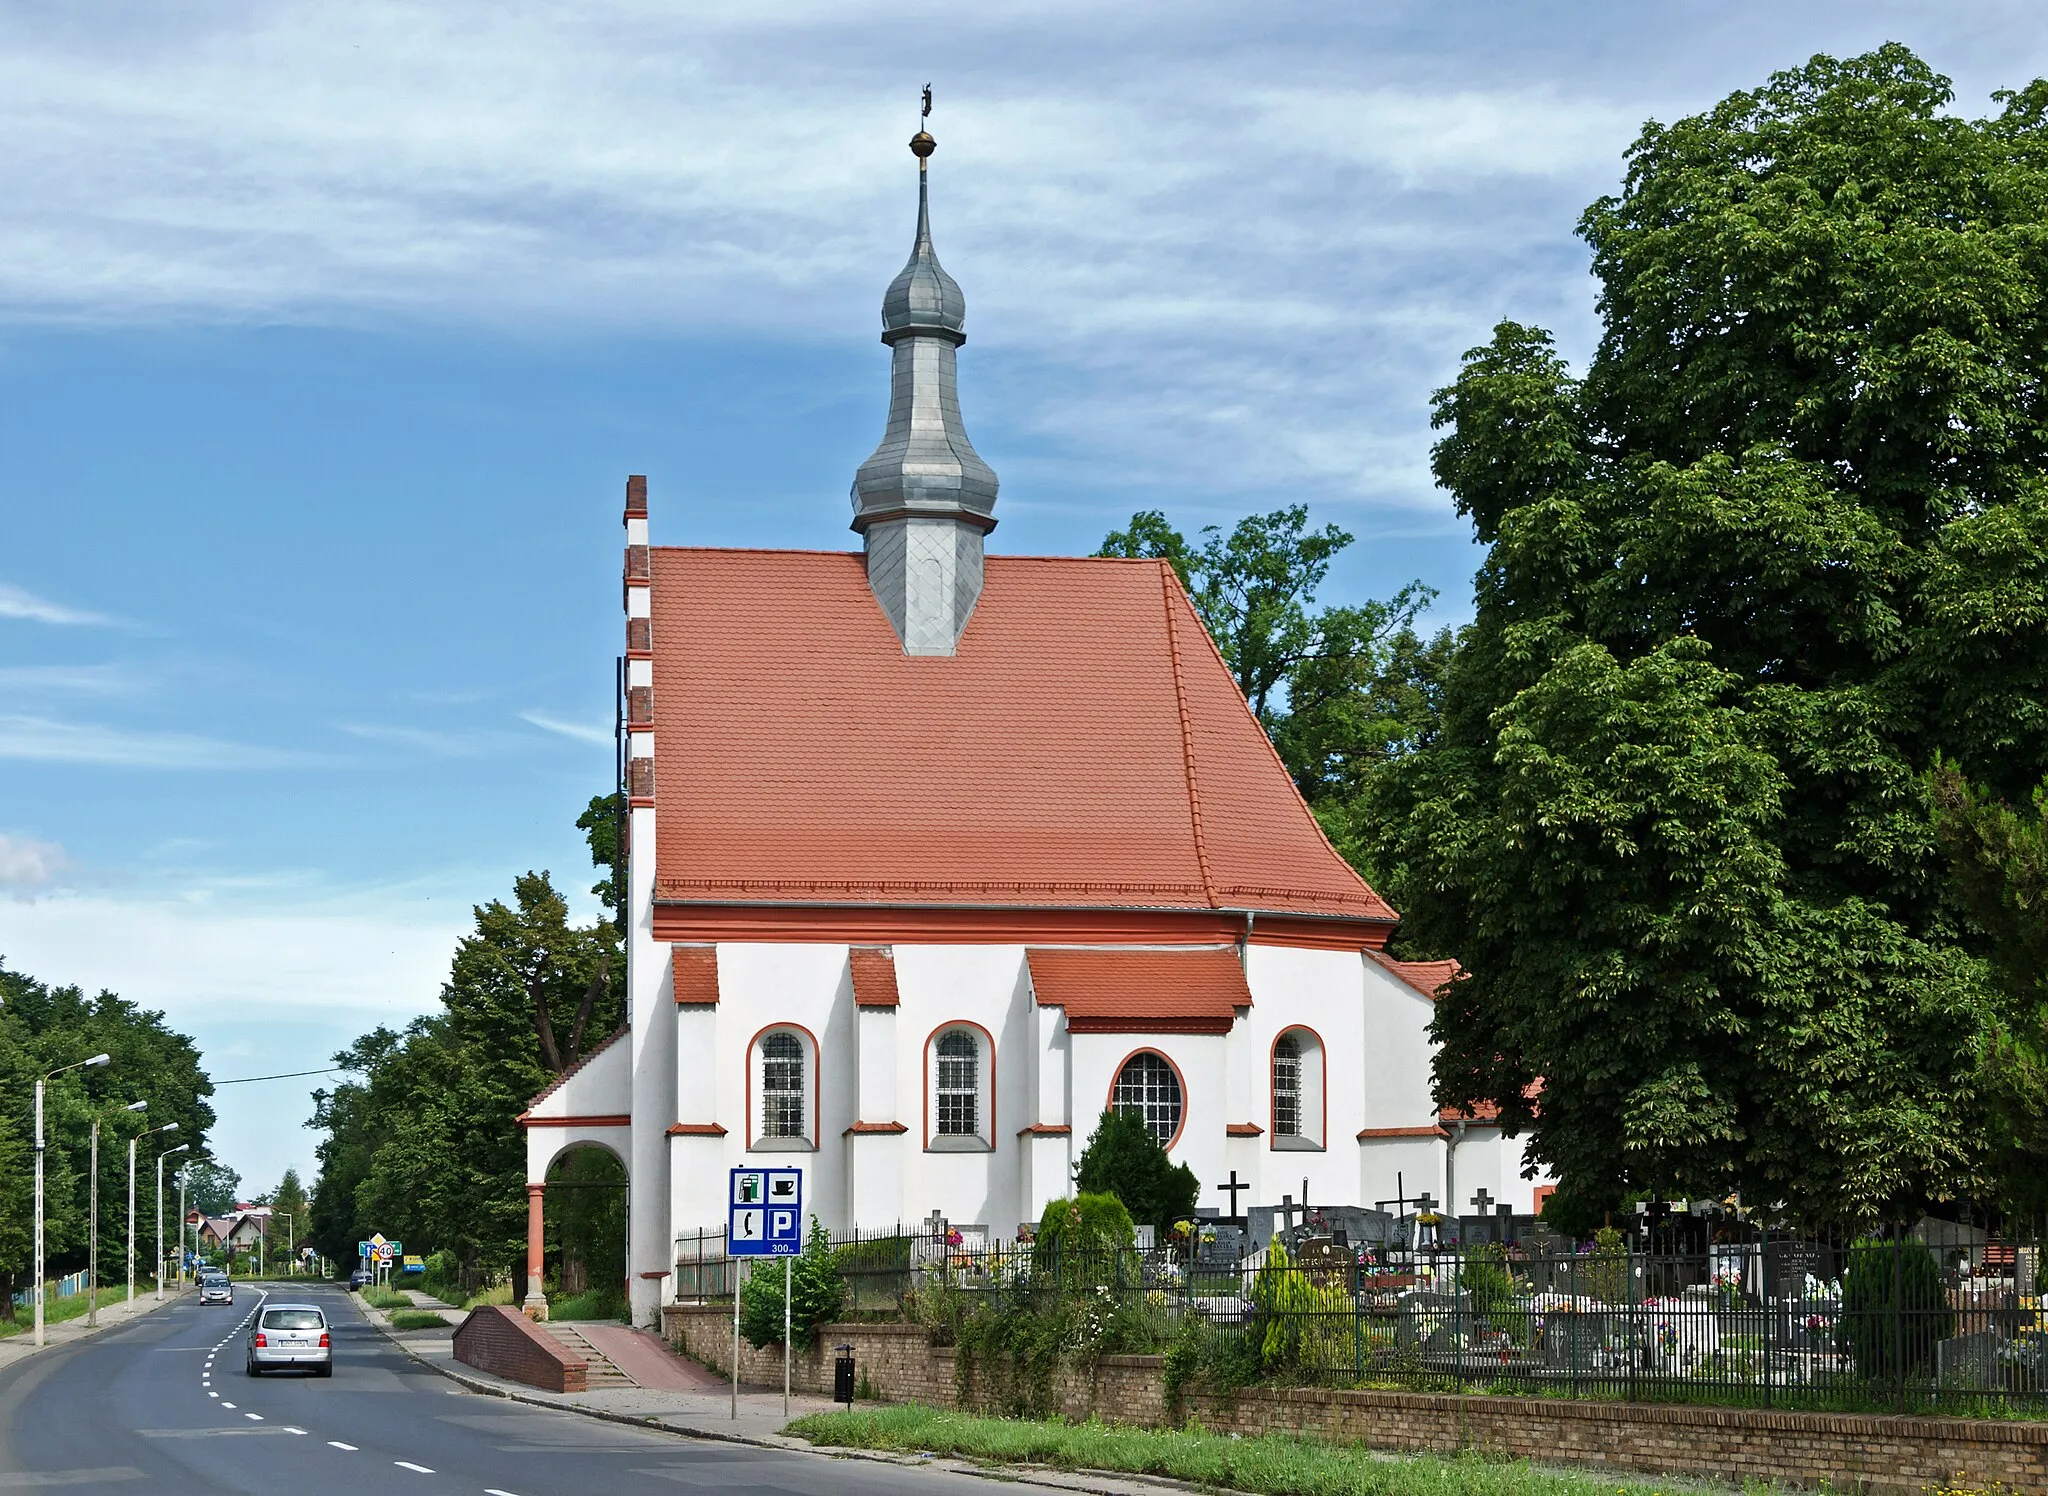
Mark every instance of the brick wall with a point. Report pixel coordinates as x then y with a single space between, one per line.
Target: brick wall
504 1342
1848 1451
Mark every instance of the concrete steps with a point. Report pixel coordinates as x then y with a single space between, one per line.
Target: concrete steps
602 1372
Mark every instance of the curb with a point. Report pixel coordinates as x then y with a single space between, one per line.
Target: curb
1074 1480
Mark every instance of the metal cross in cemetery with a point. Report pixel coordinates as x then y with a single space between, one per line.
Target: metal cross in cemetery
1483 1203
1285 1210
1233 1189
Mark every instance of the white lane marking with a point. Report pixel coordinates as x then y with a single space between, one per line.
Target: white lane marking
494 1491
227 1405
290 1430
409 1465
254 1417
213 1394
337 1444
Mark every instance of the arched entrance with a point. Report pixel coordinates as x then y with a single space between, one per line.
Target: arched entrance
584 1233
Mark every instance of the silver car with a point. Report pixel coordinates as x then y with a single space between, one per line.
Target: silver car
291 1335
214 1288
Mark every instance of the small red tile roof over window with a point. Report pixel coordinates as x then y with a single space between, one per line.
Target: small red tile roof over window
1141 991
693 972
1084 748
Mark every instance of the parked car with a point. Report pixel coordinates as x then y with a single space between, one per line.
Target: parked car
291 1335
358 1279
214 1288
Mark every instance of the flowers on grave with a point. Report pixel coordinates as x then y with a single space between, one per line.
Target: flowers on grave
954 1238
1429 1218
1182 1231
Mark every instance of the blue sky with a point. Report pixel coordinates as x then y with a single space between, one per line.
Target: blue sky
329 334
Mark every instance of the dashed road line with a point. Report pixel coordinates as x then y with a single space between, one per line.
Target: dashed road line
409 1465
337 1444
253 1417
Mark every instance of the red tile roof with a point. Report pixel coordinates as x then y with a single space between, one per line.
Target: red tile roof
1127 991
1085 748
874 975
1426 977
693 973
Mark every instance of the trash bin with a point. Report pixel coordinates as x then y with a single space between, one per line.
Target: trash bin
842 1376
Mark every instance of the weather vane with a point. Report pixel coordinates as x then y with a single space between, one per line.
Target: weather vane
926 112
921 144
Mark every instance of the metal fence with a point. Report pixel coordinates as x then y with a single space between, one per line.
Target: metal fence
1887 1325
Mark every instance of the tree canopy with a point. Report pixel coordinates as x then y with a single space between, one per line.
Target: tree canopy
1784 543
1123 1159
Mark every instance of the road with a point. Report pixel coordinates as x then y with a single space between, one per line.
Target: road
162 1406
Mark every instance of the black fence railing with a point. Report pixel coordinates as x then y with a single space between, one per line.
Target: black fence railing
1884 1325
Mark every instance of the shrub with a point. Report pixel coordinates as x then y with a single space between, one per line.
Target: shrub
1894 1308
1085 1224
1303 1329
1124 1159
817 1294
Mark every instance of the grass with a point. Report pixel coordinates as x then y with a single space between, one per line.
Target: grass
385 1298
1269 1464
594 1304
500 1294
56 1310
418 1319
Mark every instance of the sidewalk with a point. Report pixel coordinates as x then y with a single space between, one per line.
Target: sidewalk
19 1347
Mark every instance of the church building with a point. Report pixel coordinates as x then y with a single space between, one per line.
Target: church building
936 854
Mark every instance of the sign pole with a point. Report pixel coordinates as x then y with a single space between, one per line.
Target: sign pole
735 1333
788 1268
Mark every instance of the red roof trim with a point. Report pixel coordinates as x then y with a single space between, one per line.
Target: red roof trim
866 1129
1168 581
696 1130
941 924
1400 1132
1045 1130
874 976
1243 1130
1427 977
609 1119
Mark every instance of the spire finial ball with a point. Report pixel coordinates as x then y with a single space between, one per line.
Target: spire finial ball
922 145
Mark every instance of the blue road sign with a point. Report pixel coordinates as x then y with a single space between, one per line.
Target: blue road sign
765 1213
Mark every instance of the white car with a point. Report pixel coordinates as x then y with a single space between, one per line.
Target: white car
214 1288
288 1336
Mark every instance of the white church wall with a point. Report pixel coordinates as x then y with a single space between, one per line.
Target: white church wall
1320 994
1201 1061
650 1012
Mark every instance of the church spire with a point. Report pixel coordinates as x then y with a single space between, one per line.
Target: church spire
925 499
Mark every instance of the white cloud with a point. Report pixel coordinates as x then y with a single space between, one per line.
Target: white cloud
18 602
48 740
28 864
435 741
582 732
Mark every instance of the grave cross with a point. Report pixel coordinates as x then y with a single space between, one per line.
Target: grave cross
1425 1203
1285 1211
1482 1202
935 1225
1233 1189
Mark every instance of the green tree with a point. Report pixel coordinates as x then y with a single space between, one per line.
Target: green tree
291 1222
817 1294
1337 688
1782 545
1124 1159
601 824
211 1187
1999 859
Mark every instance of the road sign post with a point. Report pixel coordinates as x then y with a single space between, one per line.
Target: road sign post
764 1218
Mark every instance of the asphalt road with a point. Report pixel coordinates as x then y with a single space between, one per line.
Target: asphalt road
162 1406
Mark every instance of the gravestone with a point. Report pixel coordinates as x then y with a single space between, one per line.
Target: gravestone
1573 1340
1328 1263
1970 1363
1790 1263
1428 1319
1145 1237
1220 1244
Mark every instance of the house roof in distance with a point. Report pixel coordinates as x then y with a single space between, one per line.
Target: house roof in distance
1085 747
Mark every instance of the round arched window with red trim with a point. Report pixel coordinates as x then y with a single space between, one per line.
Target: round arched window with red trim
1148 1086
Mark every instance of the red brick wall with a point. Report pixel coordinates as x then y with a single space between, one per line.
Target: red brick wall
1874 1452
505 1343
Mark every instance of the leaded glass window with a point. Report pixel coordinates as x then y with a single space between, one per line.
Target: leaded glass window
1287 1087
1147 1085
782 1087
959 1098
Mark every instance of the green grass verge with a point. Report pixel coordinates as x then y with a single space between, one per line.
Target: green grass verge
418 1319
56 1310
594 1304
385 1298
1270 1464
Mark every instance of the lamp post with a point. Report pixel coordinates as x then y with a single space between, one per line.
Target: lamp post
160 1215
92 1237
167 1127
41 1081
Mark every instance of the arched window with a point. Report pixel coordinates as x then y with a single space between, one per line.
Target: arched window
1148 1086
785 1089
959 1087
1287 1087
959 1079
1298 1090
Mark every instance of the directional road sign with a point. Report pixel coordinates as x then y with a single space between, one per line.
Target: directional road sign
765 1213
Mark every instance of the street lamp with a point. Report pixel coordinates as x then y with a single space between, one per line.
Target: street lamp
41 1081
182 1147
92 1237
167 1127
